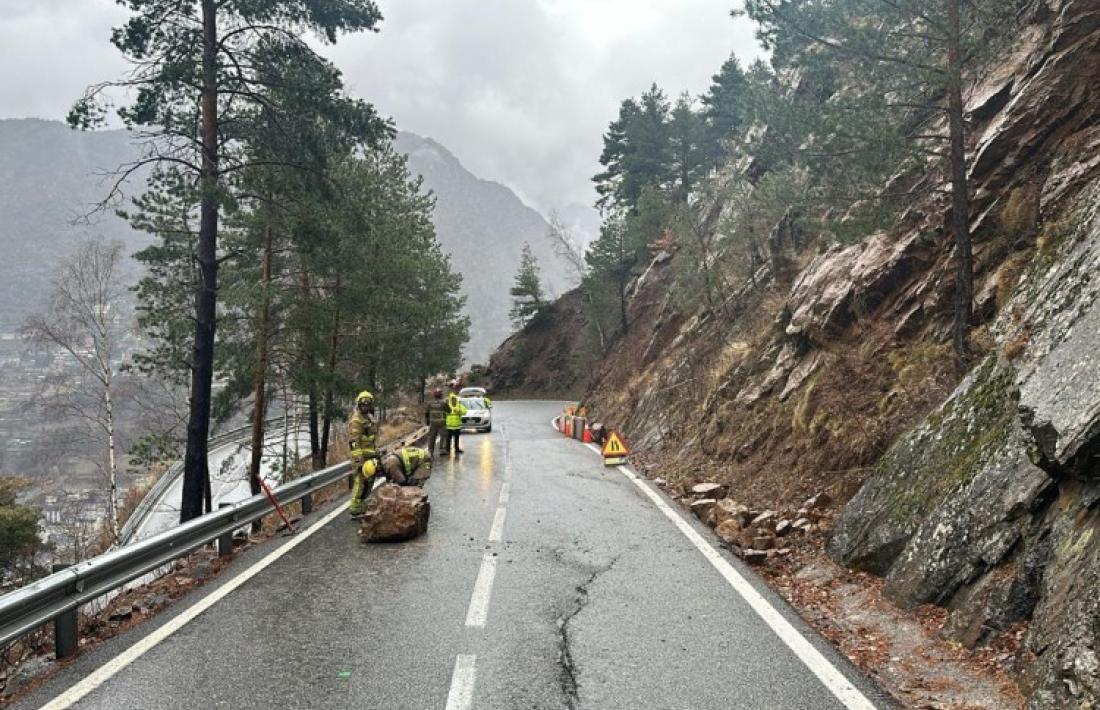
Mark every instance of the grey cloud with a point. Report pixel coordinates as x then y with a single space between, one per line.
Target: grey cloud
519 90
522 91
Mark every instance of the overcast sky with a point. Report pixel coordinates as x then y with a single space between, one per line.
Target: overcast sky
520 90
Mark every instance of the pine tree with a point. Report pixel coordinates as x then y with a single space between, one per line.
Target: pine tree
637 152
19 539
899 64
197 83
724 109
687 151
527 296
611 259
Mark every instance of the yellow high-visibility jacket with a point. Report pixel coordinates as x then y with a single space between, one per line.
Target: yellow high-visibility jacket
362 436
455 411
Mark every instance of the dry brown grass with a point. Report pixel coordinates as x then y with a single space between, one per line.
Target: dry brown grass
1019 216
1015 347
1008 276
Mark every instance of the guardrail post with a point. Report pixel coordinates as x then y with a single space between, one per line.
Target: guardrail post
307 504
225 540
65 630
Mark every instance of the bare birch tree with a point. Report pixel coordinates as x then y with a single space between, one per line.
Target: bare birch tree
85 321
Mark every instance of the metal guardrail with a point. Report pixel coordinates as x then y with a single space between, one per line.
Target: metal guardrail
157 490
29 607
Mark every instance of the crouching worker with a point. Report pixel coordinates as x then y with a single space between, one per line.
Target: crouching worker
398 510
411 466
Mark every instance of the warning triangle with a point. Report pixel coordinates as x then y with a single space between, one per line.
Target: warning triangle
615 447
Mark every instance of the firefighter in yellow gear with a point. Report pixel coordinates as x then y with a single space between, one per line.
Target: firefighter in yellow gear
362 443
411 466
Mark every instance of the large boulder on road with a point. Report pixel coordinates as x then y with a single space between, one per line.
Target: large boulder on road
395 513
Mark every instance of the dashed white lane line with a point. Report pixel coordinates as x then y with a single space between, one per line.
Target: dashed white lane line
483 589
505 491
461 695
496 533
826 672
119 662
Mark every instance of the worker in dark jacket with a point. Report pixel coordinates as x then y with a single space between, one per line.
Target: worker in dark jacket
435 416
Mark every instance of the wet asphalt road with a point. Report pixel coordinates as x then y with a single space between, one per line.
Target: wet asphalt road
580 594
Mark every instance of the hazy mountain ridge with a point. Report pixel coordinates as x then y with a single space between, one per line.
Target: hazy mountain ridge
50 178
483 226
51 175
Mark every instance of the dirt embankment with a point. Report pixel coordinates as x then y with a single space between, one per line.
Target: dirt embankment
554 355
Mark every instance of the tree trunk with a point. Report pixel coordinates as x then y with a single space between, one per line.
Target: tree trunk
259 383
196 475
596 320
622 303
334 345
326 425
286 432
317 459
960 195
112 459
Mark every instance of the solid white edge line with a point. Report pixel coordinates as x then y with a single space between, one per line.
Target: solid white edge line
496 533
461 694
505 491
483 589
837 683
831 677
131 654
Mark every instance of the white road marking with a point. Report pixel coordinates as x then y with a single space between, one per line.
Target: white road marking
826 672
461 695
505 490
496 533
478 611
131 654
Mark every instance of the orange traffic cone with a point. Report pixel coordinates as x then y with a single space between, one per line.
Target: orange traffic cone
587 434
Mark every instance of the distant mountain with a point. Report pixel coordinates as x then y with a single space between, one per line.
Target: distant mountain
51 175
483 226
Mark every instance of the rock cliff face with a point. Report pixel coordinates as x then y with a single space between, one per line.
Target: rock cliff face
980 495
989 505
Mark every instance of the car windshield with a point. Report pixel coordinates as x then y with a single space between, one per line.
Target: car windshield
473 403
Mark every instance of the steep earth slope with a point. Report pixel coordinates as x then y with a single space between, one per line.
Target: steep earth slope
810 379
550 357
51 175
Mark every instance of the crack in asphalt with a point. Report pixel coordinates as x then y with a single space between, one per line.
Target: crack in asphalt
567 678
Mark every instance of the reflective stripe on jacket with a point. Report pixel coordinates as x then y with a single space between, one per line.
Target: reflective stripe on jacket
412 457
362 432
455 410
